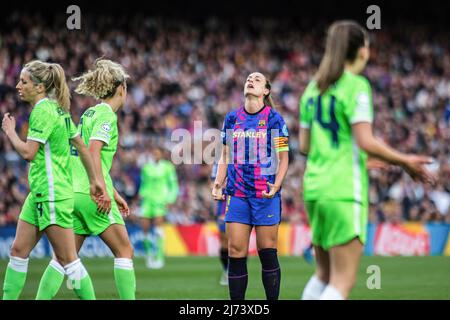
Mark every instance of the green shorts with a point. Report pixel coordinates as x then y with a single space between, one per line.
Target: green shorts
335 223
86 220
45 213
153 209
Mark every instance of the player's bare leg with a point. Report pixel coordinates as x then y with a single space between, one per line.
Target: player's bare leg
27 236
63 243
344 264
320 279
116 238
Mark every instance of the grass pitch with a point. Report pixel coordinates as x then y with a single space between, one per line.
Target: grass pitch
198 278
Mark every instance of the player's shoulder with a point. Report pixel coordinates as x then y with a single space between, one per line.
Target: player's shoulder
310 90
275 115
103 111
46 108
231 116
355 81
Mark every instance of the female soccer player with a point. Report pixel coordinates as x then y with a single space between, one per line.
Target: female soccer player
221 226
255 161
48 207
336 133
98 129
159 187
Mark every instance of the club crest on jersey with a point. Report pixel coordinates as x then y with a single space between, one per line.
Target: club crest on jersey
262 123
106 127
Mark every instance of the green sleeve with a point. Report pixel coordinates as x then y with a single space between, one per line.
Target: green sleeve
172 183
103 126
41 125
360 107
73 130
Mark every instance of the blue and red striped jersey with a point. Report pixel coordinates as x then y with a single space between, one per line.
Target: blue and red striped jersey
253 139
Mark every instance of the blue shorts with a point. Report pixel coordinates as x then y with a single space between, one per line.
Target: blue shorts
253 211
220 215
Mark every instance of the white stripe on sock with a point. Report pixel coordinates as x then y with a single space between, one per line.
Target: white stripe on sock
57 266
75 270
18 264
123 263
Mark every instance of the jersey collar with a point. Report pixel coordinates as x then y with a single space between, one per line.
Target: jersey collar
42 100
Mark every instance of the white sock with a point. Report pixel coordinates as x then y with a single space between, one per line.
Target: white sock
159 232
18 264
123 263
313 289
75 270
331 293
57 266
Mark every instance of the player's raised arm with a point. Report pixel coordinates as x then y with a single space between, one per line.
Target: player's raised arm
26 149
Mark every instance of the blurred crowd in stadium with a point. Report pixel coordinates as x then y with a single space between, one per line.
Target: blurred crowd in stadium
186 71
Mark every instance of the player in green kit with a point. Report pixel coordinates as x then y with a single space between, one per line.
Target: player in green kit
48 207
336 117
159 187
98 129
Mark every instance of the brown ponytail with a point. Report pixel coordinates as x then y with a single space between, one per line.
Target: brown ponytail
344 38
268 101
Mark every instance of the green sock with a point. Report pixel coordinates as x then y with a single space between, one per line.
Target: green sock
51 281
79 280
159 232
147 244
125 278
16 274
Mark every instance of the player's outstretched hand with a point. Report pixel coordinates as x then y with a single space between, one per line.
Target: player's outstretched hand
272 191
217 192
415 166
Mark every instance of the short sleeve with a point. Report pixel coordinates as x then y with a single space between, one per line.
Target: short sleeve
360 106
103 126
280 133
40 128
227 126
306 111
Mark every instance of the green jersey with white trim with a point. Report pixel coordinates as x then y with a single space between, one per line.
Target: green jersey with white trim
336 167
96 123
50 174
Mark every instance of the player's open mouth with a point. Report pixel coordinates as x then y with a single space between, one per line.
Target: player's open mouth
250 86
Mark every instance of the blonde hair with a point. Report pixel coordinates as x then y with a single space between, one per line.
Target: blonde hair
103 80
53 78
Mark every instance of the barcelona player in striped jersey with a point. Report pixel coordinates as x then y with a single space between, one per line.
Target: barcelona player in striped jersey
254 160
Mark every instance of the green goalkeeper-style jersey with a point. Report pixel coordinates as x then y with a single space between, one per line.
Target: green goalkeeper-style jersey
96 123
159 182
336 167
50 175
